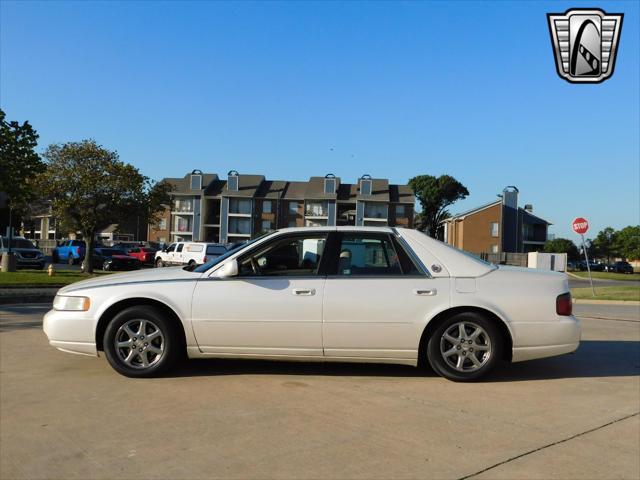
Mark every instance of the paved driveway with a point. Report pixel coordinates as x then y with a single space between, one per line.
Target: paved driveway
68 416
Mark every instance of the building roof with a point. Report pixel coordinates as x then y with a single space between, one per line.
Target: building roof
534 218
315 189
347 192
183 185
295 191
247 186
379 191
461 216
271 189
401 194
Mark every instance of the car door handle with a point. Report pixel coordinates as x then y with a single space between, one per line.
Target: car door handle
304 292
425 293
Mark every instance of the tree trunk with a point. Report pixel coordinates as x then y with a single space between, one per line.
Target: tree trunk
87 264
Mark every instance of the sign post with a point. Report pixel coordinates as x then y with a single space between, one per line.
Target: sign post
580 226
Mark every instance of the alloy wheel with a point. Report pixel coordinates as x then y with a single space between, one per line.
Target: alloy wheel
465 346
139 343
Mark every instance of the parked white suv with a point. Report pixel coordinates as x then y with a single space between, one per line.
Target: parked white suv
188 253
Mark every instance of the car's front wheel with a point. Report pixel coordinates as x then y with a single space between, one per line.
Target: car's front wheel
140 342
465 347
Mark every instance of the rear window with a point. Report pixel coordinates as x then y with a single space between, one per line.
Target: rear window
148 250
111 251
215 250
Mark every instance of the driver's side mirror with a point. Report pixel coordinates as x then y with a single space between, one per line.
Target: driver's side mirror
164 249
228 269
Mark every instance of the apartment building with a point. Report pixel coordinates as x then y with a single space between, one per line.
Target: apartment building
498 226
238 207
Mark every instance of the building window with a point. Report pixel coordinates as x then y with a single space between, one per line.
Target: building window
293 208
366 186
196 182
232 181
292 224
241 206
266 206
494 248
495 229
240 226
182 224
330 185
184 205
315 223
375 210
162 224
266 226
400 211
317 209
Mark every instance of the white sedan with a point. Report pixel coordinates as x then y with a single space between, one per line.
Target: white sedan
362 294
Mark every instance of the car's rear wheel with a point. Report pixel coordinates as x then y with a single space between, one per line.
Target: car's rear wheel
140 342
159 263
465 347
106 266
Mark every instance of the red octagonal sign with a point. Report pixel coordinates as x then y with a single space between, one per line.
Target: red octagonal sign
580 225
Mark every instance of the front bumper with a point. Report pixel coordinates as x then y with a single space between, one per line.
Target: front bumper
533 340
70 332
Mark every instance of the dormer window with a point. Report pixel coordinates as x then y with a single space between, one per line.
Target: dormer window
196 180
232 181
330 184
366 185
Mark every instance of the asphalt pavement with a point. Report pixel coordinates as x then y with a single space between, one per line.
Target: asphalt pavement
69 416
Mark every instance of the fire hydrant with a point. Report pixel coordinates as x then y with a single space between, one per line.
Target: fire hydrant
51 271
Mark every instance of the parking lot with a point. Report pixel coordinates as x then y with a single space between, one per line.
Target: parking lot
68 416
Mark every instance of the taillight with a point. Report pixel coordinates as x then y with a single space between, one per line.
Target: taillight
204 260
563 304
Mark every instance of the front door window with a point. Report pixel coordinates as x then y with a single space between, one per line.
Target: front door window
298 255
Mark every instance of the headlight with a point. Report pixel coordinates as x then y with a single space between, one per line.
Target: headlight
78 304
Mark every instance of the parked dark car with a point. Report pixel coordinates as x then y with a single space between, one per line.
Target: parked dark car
27 255
593 266
114 259
620 267
144 254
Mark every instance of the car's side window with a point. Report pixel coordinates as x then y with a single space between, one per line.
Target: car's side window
298 255
367 255
171 248
180 245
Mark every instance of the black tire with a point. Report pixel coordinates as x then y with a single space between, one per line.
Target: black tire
159 263
106 266
172 346
438 342
191 264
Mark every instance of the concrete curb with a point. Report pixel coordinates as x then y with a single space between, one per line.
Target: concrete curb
605 302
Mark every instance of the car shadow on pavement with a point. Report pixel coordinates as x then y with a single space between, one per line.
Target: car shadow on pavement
594 358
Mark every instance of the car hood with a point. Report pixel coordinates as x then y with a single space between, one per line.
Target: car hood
150 275
21 250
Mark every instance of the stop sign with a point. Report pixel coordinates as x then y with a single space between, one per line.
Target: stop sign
580 225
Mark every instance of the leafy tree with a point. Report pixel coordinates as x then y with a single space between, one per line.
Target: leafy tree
435 195
90 188
19 163
605 244
628 242
562 245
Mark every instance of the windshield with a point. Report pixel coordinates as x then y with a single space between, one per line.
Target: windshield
17 243
206 266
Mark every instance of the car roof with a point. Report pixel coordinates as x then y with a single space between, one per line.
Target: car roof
347 228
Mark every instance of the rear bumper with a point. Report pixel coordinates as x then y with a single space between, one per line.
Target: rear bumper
545 339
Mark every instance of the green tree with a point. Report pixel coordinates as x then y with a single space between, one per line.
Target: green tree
435 195
628 242
605 244
19 164
562 245
90 187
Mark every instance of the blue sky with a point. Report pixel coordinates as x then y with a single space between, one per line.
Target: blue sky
296 89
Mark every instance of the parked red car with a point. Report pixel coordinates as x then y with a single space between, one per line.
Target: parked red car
144 254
